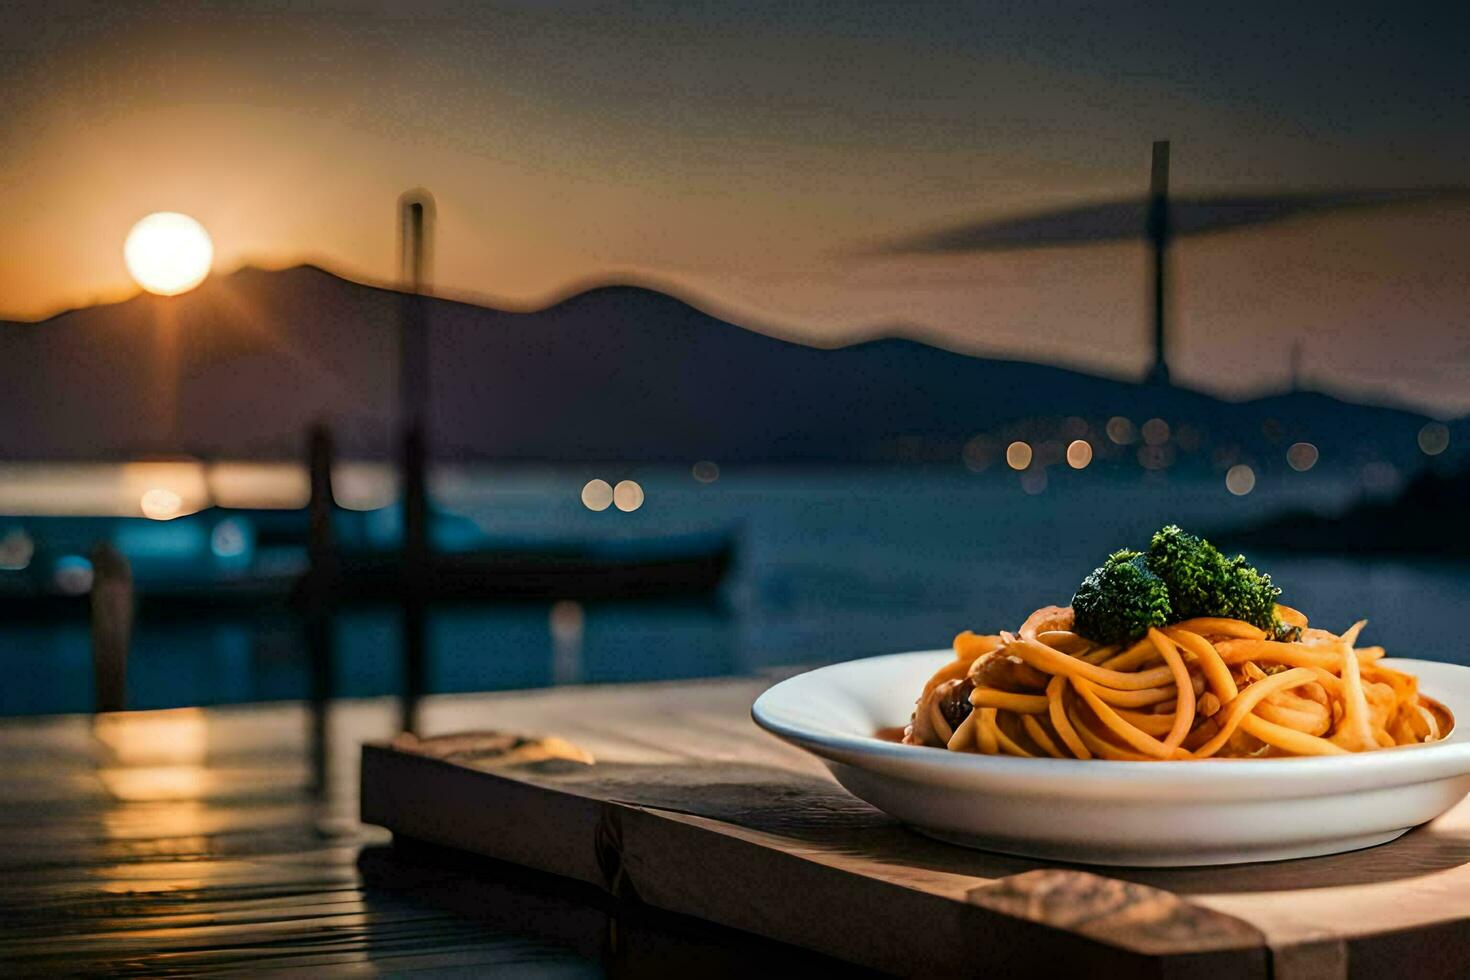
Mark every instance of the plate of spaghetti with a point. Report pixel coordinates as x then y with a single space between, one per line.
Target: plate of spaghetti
1175 713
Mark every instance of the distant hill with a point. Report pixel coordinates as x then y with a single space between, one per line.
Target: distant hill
615 373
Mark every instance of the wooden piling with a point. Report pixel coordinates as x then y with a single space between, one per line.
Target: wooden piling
112 625
320 544
321 584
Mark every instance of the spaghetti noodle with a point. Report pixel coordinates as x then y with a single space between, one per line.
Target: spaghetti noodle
1200 688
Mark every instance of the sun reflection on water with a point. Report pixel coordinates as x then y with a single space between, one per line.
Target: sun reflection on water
138 738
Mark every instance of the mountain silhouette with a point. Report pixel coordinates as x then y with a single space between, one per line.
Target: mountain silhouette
240 366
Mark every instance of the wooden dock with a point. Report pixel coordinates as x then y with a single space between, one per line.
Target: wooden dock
197 841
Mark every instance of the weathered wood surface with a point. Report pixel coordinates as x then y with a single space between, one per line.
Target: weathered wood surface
691 808
196 841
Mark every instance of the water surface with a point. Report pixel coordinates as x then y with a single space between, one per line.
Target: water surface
832 565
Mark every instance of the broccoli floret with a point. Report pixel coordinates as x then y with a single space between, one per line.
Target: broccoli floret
1247 594
1203 582
1192 569
1119 601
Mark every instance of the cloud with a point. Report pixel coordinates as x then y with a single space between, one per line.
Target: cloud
1112 221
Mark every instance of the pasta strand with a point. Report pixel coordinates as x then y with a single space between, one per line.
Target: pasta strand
1196 689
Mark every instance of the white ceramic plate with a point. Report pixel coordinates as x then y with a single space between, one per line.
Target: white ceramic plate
1158 814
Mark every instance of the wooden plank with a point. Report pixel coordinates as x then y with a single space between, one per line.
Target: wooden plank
787 856
690 808
200 841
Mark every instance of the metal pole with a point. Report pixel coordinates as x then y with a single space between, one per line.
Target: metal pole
416 215
1158 237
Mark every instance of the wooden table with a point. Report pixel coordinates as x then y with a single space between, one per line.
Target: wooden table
219 839
203 840
668 795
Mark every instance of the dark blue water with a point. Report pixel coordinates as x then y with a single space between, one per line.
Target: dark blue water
832 565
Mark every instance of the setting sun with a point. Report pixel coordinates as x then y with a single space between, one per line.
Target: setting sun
168 253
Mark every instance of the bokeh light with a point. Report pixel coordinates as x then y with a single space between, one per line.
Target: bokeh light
1155 457
1156 432
1033 481
1302 456
16 550
230 538
597 495
161 504
980 452
706 471
358 485
1434 438
1240 480
1188 438
1075 427
72 575
628 495
1079 454
1121 431
284 486
1018 455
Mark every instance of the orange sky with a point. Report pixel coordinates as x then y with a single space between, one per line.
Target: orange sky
747 157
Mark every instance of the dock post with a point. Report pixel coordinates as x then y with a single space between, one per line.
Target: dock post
112 626
321 581
416 221
320 543
415 569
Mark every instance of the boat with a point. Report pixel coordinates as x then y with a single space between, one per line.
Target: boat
222 559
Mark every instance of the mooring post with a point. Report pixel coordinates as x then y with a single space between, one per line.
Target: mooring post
416 572
320 541
112 626
322 580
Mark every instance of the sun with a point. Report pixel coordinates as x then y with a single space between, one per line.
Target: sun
168 253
